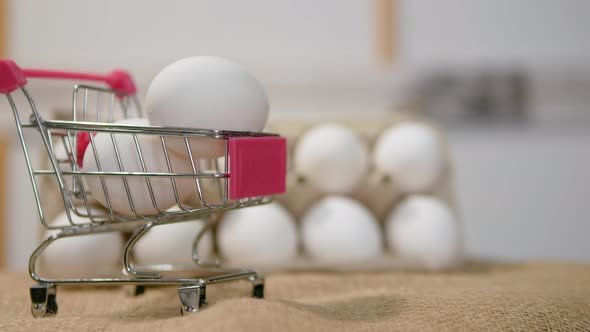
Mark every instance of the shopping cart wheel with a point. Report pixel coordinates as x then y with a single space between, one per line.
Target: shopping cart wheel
257 287
192 298
134 290
258 291
43 300
52 305
138 290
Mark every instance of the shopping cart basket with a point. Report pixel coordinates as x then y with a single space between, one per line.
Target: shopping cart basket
250 171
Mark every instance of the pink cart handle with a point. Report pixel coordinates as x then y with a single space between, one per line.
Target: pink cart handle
12 77
117 79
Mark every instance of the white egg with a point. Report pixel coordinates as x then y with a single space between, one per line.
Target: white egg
80 256
64 159
206 92
424 229
154 160
331 157
338 229
264 235
173 243
412 154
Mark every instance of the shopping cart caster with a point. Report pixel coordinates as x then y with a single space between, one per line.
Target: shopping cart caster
134 290
258 287
258 291
139 290
43 300
192 298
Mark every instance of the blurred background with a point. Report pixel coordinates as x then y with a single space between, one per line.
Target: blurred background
509 81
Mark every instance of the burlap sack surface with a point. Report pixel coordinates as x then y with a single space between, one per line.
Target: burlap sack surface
480 297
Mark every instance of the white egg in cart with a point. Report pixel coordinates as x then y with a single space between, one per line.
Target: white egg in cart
210 93
154 161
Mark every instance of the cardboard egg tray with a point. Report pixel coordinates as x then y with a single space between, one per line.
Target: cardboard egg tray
376 192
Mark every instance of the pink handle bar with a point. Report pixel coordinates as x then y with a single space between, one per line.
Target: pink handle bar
13 77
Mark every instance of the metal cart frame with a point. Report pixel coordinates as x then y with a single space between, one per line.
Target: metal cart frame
240 184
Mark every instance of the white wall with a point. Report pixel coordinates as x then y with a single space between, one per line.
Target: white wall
523 31
146 35
523 193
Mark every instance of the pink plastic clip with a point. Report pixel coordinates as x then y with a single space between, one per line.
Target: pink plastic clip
82 142
257 166
11 76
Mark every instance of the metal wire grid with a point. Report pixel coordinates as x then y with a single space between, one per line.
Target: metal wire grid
71 178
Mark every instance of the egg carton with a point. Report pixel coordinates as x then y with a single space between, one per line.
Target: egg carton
379 194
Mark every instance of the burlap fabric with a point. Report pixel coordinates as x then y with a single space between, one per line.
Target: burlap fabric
480 297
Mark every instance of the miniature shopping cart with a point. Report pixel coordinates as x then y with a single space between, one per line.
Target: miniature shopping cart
251 170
